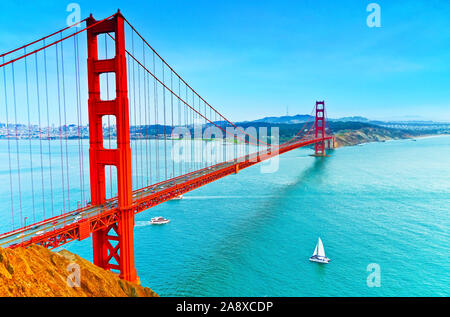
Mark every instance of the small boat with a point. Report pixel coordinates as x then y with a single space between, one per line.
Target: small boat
319 254
159 221
178 197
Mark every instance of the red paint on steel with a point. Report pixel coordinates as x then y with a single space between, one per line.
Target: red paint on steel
109 216
320 128
120 246
111 221
84 230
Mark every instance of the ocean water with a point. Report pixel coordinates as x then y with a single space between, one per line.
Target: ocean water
251 234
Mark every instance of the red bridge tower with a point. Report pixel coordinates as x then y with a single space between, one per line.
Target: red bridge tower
116 241
319 127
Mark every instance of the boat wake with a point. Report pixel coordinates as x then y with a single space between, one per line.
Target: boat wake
223 197
142 223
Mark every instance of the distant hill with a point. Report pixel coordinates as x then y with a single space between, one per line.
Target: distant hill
352 119
299 118
286 119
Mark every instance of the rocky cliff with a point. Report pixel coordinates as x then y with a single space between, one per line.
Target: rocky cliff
368 134
37 271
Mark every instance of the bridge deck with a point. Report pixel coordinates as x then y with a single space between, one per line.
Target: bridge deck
80 223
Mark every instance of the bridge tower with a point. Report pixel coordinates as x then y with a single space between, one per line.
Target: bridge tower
115 242
319 127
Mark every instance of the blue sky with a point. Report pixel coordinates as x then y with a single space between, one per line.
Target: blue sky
252 58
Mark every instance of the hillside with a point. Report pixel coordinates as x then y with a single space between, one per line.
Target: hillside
347 133
38 272
368 134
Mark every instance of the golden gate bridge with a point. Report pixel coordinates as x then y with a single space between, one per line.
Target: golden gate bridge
139 110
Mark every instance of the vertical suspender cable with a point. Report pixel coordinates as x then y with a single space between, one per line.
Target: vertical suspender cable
17 143
9 145
40 133
29 136
194 163
136 169
165 124
140 128
78 119
48 128
109 120
186 142
200 123
156 120
146 135
149 129
171 132
65 124
179 122
60 131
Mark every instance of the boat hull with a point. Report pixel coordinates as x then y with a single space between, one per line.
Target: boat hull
319 260
160 222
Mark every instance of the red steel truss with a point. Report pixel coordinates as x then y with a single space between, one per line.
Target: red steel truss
111 221
108 217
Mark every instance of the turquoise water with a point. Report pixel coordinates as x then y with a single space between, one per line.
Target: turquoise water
251 234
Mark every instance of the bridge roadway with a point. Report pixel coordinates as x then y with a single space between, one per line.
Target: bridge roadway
80 223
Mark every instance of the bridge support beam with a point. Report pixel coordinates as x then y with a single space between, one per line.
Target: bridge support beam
113 246
319 127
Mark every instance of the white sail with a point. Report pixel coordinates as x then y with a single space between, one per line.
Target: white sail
315 251
321 250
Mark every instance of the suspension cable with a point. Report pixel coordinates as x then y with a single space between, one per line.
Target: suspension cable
56 42
223 117
43 38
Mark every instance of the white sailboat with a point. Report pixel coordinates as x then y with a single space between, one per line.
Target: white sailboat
319 254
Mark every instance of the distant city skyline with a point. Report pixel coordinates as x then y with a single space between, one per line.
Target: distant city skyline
256 60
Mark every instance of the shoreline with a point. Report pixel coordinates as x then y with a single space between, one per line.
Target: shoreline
424 136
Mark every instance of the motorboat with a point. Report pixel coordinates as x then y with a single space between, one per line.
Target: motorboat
159 220
319 254
178 197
